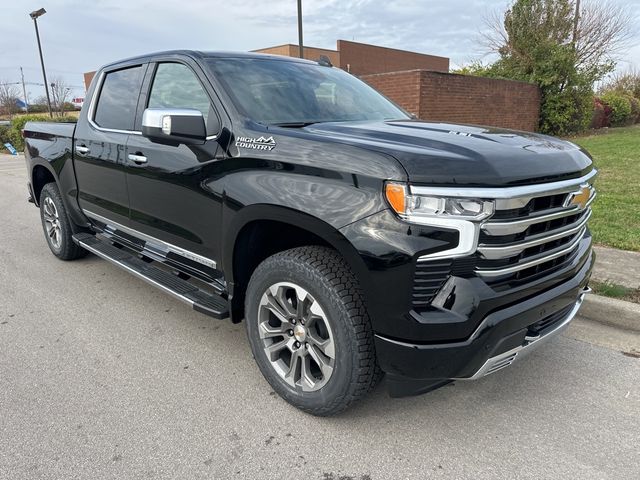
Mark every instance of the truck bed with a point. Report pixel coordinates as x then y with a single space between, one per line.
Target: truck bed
58 129
48 140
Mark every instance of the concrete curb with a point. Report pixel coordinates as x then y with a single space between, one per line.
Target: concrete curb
611 311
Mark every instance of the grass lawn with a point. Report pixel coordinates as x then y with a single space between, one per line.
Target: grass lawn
612 290
616 211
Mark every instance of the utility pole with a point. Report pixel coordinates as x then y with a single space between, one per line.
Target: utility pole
300 46
576 18
24 91
34 15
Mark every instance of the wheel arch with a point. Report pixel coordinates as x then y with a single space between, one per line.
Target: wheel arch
41 174
259 231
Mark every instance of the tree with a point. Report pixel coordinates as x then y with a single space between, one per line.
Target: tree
598 30
603 32
627 82
60 93
9 95
544 42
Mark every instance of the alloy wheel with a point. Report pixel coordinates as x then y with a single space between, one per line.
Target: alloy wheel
52 222
296 336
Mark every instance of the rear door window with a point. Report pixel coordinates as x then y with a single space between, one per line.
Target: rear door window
116 108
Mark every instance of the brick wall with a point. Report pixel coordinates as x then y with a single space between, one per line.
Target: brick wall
401 87
364 59
445 97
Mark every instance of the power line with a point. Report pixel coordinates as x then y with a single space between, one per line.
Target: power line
36 84
69 72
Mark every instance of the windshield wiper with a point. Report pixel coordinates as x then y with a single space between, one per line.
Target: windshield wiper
293 124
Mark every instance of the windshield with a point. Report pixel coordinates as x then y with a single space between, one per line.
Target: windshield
295 94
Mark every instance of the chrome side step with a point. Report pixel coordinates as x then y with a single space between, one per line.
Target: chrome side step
202 301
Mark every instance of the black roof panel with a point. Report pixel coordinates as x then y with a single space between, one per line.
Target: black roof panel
196 54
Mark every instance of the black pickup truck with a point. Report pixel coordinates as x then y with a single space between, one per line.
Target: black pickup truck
353 239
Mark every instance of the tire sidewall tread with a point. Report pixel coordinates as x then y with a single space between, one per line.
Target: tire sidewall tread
69 250
326 276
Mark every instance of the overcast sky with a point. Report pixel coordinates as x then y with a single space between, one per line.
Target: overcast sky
79 36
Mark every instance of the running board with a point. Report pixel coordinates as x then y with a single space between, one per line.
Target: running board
201 301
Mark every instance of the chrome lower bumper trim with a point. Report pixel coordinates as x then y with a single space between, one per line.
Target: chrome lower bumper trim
530 343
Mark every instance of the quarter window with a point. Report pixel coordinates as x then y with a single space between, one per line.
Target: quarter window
118 99
176 86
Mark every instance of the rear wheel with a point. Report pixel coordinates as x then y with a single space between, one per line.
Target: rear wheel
58 229
309 330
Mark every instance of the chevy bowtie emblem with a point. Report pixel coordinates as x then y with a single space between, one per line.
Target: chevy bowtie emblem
580 198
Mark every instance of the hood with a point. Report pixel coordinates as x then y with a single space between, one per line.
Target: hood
448 154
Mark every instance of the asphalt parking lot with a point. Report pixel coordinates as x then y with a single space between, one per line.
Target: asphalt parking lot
102 376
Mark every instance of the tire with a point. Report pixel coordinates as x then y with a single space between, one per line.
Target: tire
335 361
58 229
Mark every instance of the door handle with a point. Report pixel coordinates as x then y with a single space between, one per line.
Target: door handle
139 159
82 150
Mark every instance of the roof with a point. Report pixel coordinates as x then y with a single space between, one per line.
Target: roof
198 55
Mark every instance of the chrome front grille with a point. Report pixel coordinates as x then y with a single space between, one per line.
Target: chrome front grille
529 235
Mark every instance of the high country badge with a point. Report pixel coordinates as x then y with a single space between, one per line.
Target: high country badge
260 143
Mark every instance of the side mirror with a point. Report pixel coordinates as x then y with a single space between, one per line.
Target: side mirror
174 126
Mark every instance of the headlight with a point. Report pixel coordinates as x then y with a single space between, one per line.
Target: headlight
421 208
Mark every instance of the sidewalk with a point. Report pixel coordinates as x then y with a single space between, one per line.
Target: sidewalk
617 266
621 268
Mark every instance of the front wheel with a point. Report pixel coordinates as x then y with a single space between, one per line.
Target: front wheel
58 229
309 330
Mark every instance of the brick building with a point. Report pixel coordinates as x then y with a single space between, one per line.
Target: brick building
363 59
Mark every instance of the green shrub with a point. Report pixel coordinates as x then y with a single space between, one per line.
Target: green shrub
37 108
635 109
567 112
5 132
621 114
18 123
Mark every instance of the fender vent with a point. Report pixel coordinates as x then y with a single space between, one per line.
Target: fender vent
428 279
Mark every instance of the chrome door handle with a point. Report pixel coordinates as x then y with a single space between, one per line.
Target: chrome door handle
82 150
137 158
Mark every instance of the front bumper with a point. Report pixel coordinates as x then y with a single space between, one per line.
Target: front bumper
502 337
530 343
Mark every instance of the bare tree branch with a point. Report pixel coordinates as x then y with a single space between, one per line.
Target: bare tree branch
60 92
604 32
625 82
9 95
494 37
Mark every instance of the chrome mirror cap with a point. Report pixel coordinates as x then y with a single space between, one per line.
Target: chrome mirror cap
174 126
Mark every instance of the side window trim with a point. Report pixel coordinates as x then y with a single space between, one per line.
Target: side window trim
94 101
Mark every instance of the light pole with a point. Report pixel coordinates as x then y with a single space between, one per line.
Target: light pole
34 15
300 46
